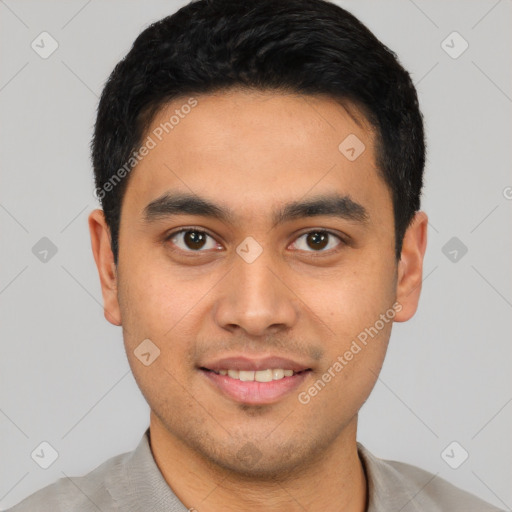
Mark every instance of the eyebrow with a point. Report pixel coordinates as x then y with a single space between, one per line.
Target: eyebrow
333 205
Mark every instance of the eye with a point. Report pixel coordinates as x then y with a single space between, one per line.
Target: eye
192 240
318 240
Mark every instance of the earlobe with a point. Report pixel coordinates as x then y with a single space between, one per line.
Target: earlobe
104 258
410 267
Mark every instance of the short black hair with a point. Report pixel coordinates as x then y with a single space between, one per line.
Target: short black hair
309 47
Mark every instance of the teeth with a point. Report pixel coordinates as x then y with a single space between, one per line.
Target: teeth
233 374
258 376
263 376
246 376
277 374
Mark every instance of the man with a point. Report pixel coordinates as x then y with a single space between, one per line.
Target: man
260 168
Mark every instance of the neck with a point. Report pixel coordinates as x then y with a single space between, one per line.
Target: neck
335 481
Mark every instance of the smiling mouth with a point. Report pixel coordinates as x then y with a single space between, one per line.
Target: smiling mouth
268 375
255 387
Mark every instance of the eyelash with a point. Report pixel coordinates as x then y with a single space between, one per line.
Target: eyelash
342 243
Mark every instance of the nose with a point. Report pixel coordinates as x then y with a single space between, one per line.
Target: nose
255 297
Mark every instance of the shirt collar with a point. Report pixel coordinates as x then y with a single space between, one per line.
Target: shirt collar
141 485
386 487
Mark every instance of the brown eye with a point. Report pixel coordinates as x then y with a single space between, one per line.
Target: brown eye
317 241
192 240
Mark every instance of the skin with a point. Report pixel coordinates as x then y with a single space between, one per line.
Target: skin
253 152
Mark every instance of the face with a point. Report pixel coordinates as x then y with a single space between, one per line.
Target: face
251 243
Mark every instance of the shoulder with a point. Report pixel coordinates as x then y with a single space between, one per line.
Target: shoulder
130 481
87 493
399 486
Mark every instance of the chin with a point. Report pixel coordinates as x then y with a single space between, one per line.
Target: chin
259 460
263 470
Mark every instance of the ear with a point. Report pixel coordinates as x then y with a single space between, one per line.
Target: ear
104 258
410 267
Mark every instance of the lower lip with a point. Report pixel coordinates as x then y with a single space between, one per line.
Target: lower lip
252 392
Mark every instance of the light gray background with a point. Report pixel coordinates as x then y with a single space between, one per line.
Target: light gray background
64 376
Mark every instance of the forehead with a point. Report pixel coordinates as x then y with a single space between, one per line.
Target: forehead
252 150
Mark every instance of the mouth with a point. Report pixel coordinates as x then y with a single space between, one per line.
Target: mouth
255 382
267 375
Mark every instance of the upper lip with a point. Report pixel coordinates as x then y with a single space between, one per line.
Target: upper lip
245 363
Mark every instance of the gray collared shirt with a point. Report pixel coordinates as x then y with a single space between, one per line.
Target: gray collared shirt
132 482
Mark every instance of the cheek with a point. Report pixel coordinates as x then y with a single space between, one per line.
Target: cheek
353 359
354 297
357 307
156 301
156 306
